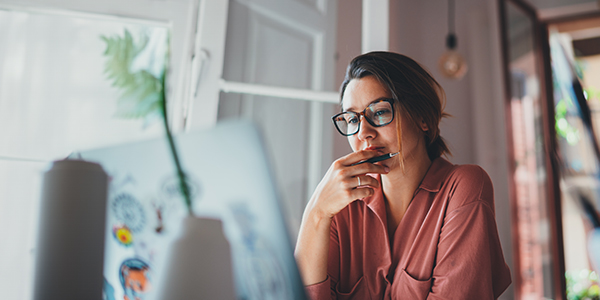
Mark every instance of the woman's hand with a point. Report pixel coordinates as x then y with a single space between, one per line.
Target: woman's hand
344 183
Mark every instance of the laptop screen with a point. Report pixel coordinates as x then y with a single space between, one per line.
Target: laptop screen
230 179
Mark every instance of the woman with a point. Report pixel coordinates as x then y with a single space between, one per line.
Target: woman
413 226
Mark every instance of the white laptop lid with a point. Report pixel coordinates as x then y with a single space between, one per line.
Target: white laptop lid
230 180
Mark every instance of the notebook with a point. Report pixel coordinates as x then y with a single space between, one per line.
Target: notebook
230 179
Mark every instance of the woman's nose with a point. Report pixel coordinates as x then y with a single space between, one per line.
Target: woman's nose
366 130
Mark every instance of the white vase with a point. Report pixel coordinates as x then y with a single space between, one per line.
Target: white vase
199 265
70 249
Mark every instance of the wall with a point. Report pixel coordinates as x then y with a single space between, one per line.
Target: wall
348 46
476 132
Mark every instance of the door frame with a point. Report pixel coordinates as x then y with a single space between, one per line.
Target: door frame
553 201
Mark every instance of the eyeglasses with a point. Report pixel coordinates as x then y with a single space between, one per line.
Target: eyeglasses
378 114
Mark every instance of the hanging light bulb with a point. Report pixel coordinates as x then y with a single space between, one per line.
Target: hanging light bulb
451 63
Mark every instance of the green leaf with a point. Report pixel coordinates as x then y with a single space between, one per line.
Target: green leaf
140 92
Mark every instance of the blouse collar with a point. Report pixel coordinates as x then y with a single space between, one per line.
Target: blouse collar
432 182
439 169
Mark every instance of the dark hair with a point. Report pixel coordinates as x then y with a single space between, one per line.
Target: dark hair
414 90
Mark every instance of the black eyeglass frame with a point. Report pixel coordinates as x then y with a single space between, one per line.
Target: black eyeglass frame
389 100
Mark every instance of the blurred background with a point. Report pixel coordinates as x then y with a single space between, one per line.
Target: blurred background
280 63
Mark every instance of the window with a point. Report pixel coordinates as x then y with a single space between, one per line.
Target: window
55 99
278 71
535 269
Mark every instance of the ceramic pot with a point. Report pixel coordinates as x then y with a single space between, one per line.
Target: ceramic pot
199 265
70 248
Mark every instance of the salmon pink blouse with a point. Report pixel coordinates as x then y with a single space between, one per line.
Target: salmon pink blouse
445 247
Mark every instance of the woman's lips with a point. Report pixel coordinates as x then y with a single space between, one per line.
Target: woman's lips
378 149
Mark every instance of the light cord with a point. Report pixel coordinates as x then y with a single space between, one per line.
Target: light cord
450 16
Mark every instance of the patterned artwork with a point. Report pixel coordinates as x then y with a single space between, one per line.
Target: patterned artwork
160 225
108 292
129 211
123 235
264 277
135 279
170 188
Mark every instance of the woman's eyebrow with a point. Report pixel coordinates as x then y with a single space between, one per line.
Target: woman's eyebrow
378 99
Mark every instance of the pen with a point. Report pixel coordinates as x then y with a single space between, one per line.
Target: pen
376 159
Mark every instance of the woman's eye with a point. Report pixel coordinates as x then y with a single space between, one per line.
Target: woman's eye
352 120
382 112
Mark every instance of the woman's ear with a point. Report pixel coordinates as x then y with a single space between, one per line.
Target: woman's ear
424 126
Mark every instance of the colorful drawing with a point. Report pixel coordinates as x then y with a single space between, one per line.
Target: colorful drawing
264 277
135 279
118 182
129 211
169 199
108 292
159 213
170 187
123 235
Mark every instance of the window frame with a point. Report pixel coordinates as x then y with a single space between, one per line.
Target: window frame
153 12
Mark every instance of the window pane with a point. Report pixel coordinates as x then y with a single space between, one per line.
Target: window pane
534 269
55 98
53 89
285 126
290 44
576 147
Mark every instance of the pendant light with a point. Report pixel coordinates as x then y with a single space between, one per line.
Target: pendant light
451 63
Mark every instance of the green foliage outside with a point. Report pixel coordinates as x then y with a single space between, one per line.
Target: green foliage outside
582 285
564 129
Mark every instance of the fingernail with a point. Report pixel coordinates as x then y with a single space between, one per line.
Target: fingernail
387 169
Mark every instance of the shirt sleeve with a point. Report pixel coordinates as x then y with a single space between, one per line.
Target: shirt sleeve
327 289
319 290
469 261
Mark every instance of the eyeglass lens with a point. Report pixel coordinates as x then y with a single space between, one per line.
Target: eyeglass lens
377 114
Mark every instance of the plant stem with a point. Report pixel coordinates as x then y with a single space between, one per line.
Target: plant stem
180 174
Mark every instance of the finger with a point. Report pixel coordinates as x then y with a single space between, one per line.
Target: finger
363 181
367 168
358 156
351 183
362 192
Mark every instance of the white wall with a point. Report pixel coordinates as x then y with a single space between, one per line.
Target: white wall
476 132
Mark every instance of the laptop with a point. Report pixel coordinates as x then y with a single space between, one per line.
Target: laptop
230 180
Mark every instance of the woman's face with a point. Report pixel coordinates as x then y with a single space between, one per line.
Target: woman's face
358 95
